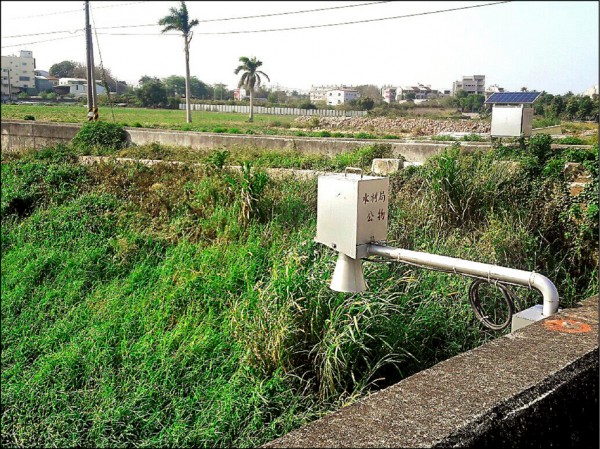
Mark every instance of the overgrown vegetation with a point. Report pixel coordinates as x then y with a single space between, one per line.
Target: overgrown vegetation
188 305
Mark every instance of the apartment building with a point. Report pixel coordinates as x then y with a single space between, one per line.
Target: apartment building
341 96
388 93
319 93
419 92
18 73
474 84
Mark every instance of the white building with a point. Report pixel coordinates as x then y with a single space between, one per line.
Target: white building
76 86
18 73
319 93
591 91
474 84
388 93
341 96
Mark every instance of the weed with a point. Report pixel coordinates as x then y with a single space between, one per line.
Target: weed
100 138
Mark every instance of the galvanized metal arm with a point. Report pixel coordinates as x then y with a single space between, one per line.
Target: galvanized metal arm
476 269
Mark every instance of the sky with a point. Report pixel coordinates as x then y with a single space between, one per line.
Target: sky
541 45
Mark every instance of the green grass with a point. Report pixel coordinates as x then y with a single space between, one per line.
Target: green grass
189 305
147 118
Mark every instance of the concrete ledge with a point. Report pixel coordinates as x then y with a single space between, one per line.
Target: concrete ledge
18 135
536 387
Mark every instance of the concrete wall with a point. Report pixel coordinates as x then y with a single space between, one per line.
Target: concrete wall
17 135
535 388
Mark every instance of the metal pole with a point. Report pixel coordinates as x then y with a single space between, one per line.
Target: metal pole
481 270
88 39
94 93
9 87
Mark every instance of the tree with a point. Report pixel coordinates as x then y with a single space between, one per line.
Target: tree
219 91
365 104
557 106
179 20
572 107
371 91
64 69
585 108
151 93
250 79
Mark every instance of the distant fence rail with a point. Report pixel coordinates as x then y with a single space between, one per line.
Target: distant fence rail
274 111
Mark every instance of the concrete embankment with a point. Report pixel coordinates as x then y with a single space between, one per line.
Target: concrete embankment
536 387
17 135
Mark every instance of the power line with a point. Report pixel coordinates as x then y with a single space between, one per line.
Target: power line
324 25
102 68
202 21
73 10
256 16
38 42
47 32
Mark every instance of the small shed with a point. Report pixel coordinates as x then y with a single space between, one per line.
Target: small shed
512 113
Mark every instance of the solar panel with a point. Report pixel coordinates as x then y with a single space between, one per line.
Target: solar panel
513 97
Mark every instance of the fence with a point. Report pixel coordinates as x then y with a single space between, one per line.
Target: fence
274 111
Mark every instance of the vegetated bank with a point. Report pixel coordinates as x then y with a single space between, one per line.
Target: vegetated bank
189 306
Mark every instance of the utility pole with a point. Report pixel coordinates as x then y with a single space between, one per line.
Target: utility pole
9 87
91 83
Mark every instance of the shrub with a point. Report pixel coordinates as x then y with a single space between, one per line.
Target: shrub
570 140
363 135
540 147
29 117
101 137
472 138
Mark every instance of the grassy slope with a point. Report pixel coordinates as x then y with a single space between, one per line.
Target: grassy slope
140 306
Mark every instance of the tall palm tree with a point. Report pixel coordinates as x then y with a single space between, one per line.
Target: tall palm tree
250 78
179 20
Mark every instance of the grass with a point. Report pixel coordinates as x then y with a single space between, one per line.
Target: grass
188 305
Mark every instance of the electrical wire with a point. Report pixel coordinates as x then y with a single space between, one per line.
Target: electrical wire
256 16
201 21
325 25
38 42
102 68
474 298
74 10
47 32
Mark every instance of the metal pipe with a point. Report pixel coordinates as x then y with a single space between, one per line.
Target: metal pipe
460 266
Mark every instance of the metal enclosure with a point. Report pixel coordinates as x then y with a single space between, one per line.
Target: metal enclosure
511 121
352 211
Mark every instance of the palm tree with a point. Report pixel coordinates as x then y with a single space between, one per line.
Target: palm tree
179 20
250 78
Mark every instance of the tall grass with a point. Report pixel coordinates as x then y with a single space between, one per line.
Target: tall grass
188 305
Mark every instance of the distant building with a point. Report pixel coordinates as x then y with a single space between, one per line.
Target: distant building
474 84
75 86
18 73
591 91
341 96
239 93
38 72
419 92
320 93
388 94
494 88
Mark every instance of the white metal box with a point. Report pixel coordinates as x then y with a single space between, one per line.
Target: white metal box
352 211
511 121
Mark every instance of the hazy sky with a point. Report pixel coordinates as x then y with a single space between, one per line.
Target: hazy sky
542 45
